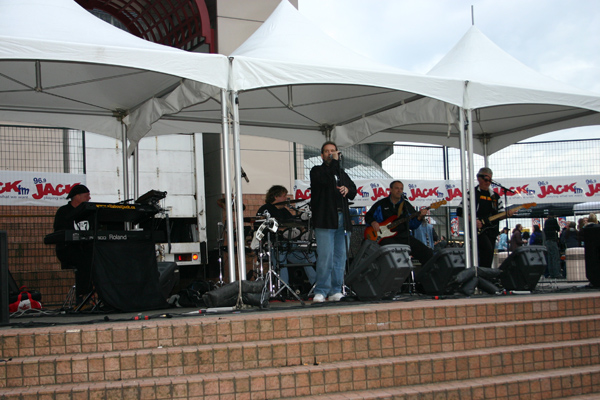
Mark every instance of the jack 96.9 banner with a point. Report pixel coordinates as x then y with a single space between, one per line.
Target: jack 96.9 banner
421 193
19 188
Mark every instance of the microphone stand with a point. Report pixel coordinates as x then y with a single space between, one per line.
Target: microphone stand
346 239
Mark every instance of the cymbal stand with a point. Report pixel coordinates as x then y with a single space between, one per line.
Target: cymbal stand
311 242
272 279
258 247
220 241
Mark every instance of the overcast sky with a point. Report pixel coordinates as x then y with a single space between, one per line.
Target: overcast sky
558 38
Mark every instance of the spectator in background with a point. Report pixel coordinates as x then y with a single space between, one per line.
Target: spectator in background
503 240
551 230
580 224
526 238
537 237
516 240
569 236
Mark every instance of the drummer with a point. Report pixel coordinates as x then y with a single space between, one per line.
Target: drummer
275 202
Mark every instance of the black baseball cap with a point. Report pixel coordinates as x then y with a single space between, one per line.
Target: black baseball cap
77 189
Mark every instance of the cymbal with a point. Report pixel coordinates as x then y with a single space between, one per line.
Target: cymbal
290 201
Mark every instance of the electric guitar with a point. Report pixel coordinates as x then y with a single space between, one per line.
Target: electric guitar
503 215
386 227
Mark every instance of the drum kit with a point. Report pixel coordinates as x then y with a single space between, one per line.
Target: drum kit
277 243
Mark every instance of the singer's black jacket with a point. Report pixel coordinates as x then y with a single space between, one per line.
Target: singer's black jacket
326 198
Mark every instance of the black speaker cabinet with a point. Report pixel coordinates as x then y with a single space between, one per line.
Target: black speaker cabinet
591 238
433 277
523 268
356 238
379 271
168 278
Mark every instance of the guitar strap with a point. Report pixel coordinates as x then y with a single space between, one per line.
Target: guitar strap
400 208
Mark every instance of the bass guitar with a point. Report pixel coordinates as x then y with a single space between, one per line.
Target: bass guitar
503 215
386 227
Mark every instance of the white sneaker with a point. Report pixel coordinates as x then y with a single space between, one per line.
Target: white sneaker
319 298
336 297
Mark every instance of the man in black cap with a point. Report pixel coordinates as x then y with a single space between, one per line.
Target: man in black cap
73 255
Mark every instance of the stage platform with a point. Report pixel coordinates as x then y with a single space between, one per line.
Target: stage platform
54 315
543 345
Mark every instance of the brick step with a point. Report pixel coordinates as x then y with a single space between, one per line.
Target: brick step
306 384
228 357
305 322
591 396
366 374
561 384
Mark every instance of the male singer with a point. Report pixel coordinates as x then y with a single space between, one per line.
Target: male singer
331 188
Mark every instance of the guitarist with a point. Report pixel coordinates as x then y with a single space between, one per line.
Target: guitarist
396 205
488 203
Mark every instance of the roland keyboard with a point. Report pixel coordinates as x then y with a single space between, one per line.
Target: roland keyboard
66 236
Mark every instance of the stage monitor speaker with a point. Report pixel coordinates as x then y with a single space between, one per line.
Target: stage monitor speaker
356 238
591 238
523 268
168 277
379 271
434 277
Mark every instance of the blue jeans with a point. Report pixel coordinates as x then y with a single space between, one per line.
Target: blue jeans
296 257
331 258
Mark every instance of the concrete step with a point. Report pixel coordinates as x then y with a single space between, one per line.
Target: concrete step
162 331
367 374
230 357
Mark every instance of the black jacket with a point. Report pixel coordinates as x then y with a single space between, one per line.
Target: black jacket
326 198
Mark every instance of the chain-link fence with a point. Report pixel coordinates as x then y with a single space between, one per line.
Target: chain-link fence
36 149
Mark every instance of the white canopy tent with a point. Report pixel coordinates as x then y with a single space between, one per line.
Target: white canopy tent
294 81
291 81
62 66
506 101
511 102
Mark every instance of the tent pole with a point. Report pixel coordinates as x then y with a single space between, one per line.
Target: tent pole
136 171
463 175
486 157
125 162
472 188
237 165
227 181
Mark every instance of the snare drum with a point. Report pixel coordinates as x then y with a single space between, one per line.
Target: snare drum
291 233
